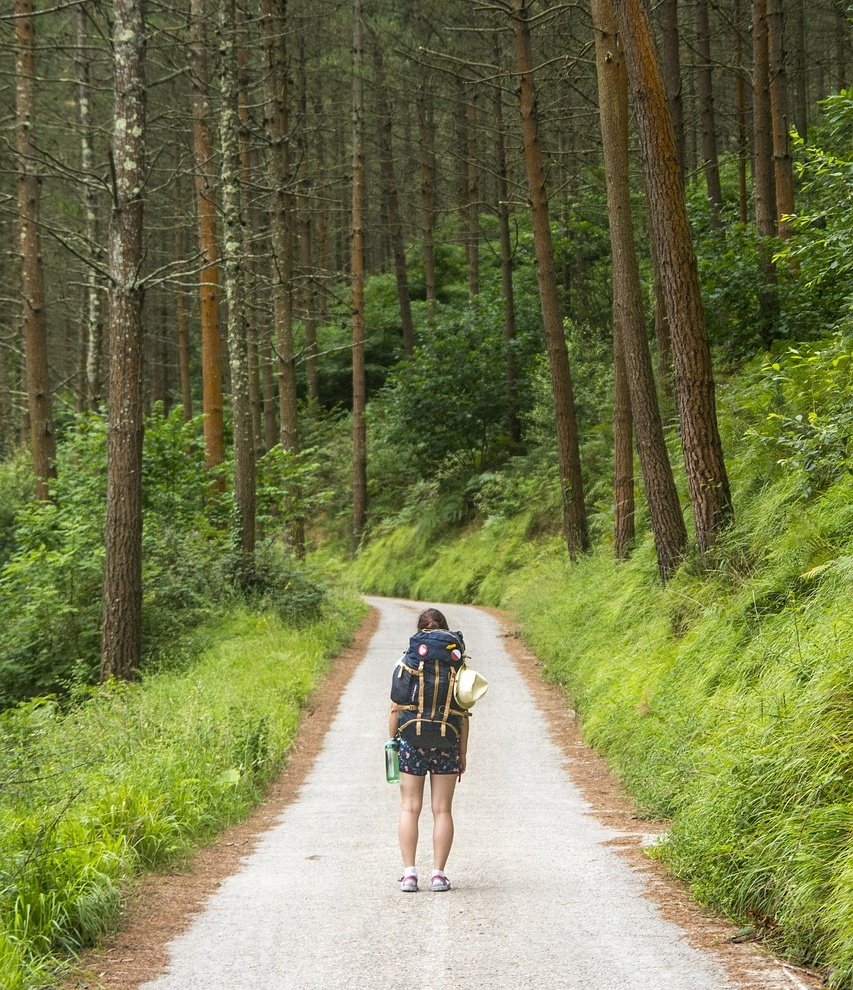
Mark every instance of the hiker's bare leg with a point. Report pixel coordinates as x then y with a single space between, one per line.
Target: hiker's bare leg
441 788
411 802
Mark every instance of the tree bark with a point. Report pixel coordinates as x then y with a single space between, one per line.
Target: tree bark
710 159
425 143
211 340
783 162
740 100
575 529
386 151
121 640
801 72
671 66
472 197
42 437
273 24
306 241
631 349
623 453
764 184
359 389
91 296
238 355
513 421
707 480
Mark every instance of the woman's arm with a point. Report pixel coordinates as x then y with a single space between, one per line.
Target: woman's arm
392 721
463 745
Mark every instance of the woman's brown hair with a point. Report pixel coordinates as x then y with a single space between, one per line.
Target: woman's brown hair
431 618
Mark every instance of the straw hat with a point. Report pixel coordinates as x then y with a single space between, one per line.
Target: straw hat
470 687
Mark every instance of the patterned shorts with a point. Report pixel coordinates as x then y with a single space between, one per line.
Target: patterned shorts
419 762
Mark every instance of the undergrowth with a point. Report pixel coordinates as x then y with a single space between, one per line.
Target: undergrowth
724 699
132 776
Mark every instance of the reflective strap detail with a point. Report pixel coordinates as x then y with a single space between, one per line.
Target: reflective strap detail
435 691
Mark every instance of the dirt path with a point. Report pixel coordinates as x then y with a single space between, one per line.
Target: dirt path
550 884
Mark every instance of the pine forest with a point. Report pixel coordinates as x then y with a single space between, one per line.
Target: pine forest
521 303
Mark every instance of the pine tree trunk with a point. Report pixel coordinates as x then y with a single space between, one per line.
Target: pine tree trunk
306 241
238 355
631 347
359 391
671 66
42 438
707 480
740 100
764 184
783 162
801 115
623 453
393 199
472 197
710 158
425 132
575 528
211 340
273 25
121 642
513 421
91 296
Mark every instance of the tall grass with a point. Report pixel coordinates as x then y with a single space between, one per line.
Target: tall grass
136 775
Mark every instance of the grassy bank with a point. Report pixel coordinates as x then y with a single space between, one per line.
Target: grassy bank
723 700
136 775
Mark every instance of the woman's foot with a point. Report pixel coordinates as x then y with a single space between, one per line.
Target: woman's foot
409 882
439 880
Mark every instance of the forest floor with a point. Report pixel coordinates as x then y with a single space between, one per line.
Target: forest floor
552 884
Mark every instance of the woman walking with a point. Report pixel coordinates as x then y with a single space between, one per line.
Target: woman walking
442 726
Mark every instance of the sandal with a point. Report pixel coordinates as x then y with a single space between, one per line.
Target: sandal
439 881
409 883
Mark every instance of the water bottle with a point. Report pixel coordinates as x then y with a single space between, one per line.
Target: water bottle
392 761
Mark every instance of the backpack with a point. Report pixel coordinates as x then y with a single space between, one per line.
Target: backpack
422 688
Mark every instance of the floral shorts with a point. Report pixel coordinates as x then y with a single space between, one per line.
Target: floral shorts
419 762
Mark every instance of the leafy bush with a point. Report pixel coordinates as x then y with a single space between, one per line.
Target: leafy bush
51 579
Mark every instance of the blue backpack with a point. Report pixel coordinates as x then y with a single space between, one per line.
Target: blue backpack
422 688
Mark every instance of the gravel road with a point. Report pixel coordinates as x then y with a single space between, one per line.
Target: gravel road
538 899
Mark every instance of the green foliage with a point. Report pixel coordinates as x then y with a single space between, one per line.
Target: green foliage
821 250
810 425
51 578
137 775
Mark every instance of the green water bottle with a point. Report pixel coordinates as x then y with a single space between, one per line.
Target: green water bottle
392 761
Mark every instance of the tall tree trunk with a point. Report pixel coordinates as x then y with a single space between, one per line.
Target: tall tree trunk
306 240
211 340
671 65
623 452
232 212
390 181
359 391
764 185
121 641
91 295
513 421
42 438
710 158
707 480
783 162
575 529
425 133
801 115
631 347
740 100
273 25
472 196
